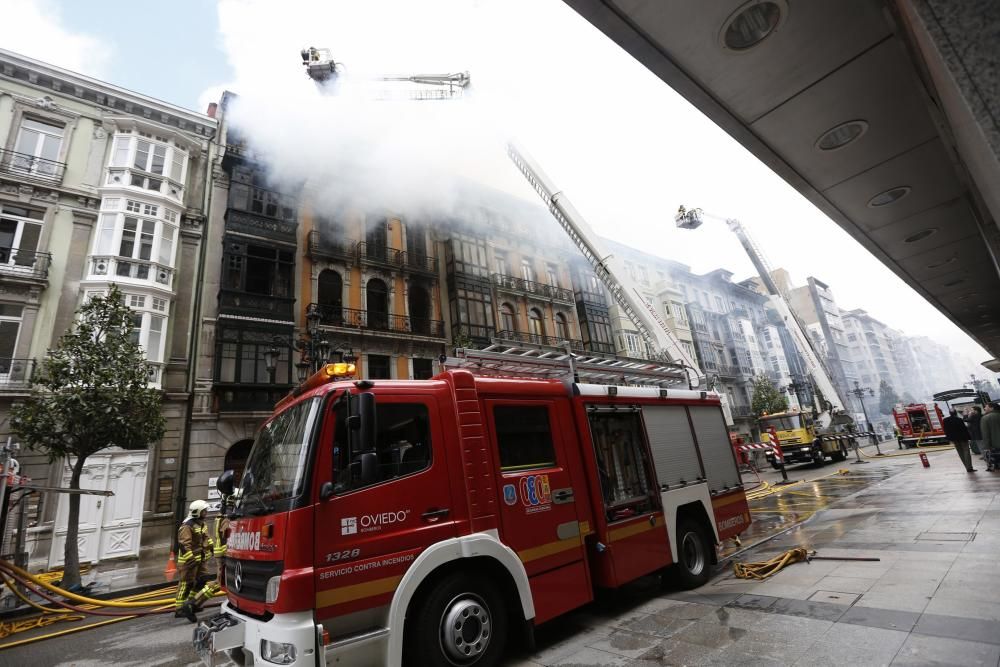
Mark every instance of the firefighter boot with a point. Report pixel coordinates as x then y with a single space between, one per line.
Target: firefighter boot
188 611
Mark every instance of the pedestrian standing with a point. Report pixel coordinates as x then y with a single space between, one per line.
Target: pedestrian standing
975 432
956 431
990 429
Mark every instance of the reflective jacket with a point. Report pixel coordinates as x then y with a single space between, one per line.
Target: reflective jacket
220 535
194 543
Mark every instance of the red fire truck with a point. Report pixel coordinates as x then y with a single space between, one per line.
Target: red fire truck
433 522
919 424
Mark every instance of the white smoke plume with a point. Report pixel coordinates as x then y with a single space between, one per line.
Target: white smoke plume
353 150
420 159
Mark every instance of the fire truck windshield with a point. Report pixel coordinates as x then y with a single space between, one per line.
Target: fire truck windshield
782 423
276 468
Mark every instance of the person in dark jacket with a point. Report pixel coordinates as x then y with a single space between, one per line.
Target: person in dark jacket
956 431
975 433
990 426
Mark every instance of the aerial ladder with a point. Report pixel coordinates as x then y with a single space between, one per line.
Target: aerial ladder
693 218
667 352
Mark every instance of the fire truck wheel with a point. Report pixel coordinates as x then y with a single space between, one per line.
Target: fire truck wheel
461 622
840 454
694 554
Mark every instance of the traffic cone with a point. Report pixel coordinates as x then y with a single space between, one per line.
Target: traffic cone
170 573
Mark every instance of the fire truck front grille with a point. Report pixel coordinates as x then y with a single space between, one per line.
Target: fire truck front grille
248 578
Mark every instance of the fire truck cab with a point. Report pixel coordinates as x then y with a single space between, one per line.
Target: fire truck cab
433 522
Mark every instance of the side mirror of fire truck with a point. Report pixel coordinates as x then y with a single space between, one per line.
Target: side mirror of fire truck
361 423
369 468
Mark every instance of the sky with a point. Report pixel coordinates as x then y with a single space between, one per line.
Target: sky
625 148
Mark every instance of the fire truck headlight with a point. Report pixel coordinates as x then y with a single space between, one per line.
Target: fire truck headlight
271 593
279 653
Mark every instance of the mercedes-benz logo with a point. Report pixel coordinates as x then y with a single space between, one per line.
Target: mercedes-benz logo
238 576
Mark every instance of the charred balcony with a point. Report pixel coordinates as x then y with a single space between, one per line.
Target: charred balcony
531 288
378 321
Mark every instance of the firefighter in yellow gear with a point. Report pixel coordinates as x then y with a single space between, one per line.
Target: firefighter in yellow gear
195 547
220 535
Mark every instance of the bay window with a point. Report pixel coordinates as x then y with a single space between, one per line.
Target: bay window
142 234
149 162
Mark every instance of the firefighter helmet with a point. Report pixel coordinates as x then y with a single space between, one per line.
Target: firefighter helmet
198 507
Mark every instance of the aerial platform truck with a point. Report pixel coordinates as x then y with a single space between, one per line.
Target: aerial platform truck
804 436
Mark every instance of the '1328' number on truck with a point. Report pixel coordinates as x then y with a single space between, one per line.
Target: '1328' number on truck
343 555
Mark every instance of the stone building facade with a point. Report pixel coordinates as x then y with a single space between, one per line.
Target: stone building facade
98 185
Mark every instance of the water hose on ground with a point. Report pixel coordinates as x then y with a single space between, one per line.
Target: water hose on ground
768 568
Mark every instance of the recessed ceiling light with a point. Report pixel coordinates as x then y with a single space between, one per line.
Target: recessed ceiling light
986 316
752 23
841 135
920 236
889 196
944 262
965 297
952 283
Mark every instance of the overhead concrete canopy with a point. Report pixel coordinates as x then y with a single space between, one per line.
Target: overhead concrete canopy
885 114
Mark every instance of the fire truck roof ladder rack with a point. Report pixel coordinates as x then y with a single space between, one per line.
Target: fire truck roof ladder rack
507 361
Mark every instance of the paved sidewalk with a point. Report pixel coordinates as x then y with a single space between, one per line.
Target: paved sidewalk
932 598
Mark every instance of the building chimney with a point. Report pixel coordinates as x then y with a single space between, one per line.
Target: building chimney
212 107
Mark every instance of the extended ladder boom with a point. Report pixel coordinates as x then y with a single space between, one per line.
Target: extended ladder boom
647 322
690 219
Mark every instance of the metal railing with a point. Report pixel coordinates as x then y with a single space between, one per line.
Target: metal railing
513 283
137 269
27 263
538 339
23 164
16 373
330 245
353 318
379 253
417 262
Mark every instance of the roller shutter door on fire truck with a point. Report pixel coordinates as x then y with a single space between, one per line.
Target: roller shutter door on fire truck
674 456
716 450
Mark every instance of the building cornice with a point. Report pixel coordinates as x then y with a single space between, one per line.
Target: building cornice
45 77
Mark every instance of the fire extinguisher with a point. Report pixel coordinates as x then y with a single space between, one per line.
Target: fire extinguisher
923 459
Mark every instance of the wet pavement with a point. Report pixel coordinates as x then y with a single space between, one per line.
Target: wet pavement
932 598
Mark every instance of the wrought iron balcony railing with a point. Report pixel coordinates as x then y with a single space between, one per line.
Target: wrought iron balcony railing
515 284
26 263
417 262
379 254
330 245
32 166
353 318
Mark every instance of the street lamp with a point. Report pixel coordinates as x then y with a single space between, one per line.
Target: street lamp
314 349
859 393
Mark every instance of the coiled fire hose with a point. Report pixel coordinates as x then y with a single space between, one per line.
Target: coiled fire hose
768 568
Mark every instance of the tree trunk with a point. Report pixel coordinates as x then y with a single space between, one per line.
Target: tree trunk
71 564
